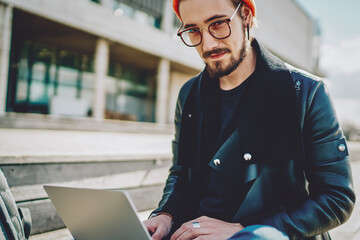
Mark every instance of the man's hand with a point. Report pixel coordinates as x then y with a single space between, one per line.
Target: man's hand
158 226
210 229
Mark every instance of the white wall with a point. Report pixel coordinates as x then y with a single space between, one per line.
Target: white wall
288 32
5 39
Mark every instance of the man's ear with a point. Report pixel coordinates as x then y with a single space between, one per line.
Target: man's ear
247 15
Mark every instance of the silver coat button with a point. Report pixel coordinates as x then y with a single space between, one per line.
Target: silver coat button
247 156
341 147
217 162
190 115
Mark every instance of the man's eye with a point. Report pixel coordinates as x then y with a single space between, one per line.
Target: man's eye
218 24
192 31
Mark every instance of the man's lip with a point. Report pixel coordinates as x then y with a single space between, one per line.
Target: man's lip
217 55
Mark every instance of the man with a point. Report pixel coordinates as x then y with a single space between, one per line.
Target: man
257 141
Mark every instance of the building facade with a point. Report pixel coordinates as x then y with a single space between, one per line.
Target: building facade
119 59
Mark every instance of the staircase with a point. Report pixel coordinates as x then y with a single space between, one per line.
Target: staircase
123 158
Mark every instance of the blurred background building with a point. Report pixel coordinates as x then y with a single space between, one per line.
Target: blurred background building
119 59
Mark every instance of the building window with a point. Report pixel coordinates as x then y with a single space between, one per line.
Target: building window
46 79
57 81
143 11
67 75
130 94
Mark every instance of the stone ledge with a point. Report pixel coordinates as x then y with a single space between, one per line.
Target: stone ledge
79 158
44 121
135 179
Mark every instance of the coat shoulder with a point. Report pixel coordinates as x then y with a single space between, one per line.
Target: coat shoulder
185 90
305 77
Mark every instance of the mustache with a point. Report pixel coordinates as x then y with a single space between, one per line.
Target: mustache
215 51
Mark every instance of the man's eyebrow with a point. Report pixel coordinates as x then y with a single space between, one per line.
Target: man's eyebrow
189 25
207 20
215 17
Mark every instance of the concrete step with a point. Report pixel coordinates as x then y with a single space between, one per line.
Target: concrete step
143 180
136 162
30 158
25 146
51 122
64 234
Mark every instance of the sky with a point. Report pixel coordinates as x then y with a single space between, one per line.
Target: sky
339 23
340 34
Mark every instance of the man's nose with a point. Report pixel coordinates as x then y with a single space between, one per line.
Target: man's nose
208 41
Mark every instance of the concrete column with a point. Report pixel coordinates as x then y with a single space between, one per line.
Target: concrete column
101 71
162 90
168 17
6 13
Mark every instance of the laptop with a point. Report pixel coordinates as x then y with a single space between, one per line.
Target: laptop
95 214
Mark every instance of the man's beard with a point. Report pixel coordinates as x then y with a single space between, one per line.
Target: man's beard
217 70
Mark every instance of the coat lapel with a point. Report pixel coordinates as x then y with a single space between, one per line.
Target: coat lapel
230 161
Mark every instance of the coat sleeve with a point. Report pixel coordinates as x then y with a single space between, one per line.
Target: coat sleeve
173 192
327 169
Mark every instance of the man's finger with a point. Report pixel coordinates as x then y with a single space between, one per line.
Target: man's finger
193 233
159 233
151 228
187 225
189 232
156 236
184 227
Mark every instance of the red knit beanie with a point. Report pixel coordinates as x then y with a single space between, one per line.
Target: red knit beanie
249 3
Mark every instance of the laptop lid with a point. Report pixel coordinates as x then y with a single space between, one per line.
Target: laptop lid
93 214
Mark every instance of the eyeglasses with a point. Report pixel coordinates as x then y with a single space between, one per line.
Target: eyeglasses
220 30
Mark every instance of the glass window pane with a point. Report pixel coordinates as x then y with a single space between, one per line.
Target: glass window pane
21 90
88 96
111 85
37 90
22 78
50 90
88 80
66 91
52 73
38 71
23 70
68 76
130 95
68 71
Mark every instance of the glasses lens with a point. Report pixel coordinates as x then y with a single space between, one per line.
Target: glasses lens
191 37
220 29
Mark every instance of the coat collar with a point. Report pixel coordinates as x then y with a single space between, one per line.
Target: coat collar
274 73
